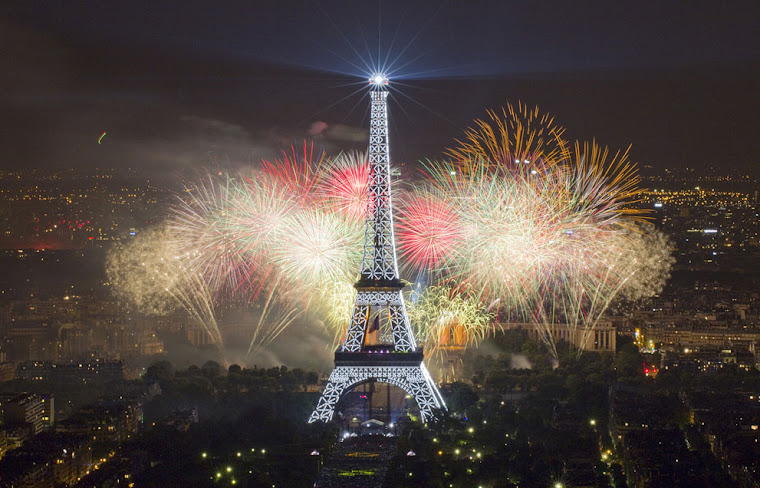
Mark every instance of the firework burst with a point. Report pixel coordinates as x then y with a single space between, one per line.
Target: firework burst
519 219
515 138
320 249
553 243
429 230
344 187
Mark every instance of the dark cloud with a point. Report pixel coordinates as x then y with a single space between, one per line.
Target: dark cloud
177 85
338 132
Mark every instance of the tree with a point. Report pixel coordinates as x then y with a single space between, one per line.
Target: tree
460 397
212 369
160 371
628 362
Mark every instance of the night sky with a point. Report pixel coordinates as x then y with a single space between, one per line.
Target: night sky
181 84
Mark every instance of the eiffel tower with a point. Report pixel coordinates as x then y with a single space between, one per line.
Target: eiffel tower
379 345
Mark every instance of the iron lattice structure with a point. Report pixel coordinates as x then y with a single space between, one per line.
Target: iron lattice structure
395 357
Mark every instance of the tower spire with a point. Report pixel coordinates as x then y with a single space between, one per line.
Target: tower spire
379 344
379 263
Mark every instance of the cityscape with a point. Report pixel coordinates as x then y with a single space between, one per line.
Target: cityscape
343 292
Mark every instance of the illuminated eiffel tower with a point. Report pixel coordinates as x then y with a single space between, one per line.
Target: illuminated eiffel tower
379 345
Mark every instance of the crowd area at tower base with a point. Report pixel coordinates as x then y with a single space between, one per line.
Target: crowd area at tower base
360 462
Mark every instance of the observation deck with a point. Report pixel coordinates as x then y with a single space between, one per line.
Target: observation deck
380 355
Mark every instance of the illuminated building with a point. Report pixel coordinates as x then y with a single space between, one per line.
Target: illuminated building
198 336
106 421
98 371
603 338
7 371
27 408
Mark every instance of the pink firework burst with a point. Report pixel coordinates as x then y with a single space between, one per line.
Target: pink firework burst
345 185
429 231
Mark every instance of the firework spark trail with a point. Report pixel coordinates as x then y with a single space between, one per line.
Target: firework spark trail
430 228
335 308
152 274
444 319
265 332
298 176
319 245
301 219
577 296
199 232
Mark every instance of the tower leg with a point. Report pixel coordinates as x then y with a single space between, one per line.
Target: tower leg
333 392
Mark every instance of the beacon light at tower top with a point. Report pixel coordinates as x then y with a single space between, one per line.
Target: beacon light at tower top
378 79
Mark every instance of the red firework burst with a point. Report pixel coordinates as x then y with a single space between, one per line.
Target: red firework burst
345 185
429 231
298 174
